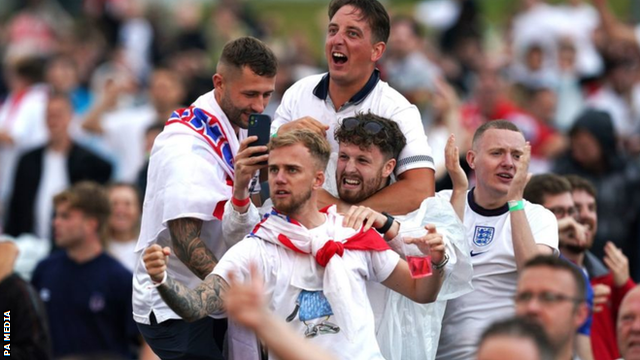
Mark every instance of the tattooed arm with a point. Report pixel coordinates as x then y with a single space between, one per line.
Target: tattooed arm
185 239
207 298
194 304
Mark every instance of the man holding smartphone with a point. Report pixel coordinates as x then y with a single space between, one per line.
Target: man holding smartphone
191 172
356 39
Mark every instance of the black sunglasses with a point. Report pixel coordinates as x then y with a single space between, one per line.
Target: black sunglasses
372 127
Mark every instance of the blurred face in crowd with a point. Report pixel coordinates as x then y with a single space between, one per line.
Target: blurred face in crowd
561 205
507 348
402 40
587 212
494 157
125 210
293 176
62 75
349 47
549 297
585 149
59 115
629 325
487 92
543 105
361 173
166 90
623 76
242 92
71 226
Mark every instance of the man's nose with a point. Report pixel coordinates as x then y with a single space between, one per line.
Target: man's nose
508 161
258 105
350 166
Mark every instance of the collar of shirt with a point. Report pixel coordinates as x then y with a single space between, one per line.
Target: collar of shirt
321 90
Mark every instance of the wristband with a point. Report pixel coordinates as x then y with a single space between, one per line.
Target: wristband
515 205
240 203
387 225
155 284
442 263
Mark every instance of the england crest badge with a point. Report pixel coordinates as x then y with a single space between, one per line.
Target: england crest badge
483 235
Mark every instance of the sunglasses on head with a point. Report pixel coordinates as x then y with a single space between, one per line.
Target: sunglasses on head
372 127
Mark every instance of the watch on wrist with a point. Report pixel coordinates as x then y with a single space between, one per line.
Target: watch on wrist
387 225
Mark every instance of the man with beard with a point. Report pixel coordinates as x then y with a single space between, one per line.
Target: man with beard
355 40
551 293
369 146
191 170
323 296
611 278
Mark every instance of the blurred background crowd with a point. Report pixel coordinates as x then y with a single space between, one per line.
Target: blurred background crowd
86 85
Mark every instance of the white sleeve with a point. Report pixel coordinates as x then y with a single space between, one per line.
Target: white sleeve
235 226
382 264
237 260
544 226
417 152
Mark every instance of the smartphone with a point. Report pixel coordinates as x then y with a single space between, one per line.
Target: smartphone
260 126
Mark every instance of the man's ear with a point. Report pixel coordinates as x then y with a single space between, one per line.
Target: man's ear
377 51
218 81
388 167
471 158
90 224
582 313
318 181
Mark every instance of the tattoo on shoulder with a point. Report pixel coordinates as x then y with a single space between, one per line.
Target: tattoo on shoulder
185 238
198 303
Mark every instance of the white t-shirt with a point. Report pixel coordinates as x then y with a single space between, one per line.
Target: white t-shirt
53 180
495 274
185 180
277 264
309 97
124 252
124 134
23 118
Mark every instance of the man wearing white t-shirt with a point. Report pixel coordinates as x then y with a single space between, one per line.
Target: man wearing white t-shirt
356 39
315 263
503 231
191 172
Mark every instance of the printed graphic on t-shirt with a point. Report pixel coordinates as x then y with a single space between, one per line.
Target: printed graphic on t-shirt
314 310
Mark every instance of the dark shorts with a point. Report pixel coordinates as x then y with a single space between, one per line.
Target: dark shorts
178 339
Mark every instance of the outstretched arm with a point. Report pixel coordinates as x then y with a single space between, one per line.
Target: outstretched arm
426 289
207 298
185 239
422 290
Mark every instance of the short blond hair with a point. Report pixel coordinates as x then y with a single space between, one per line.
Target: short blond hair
317 145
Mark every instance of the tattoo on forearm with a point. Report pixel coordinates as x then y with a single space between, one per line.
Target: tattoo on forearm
185 238
194 304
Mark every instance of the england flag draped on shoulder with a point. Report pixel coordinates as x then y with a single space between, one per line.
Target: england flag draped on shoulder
182 181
